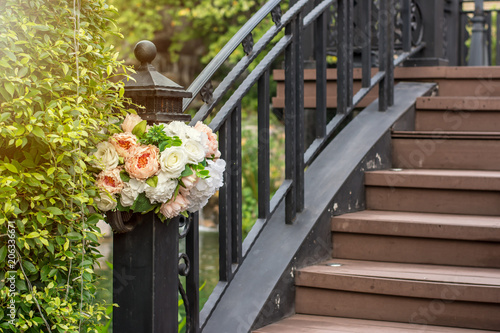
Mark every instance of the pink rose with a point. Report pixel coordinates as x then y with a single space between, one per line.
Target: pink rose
130 121
189 183
143 162
124 143
110 181
172 208
212 143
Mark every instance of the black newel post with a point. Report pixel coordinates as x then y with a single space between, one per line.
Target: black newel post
145 251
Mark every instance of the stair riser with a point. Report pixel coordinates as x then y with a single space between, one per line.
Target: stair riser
480 87
457 121
433 201
400 309
446 154
416 250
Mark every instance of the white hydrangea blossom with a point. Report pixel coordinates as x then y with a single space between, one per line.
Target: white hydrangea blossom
132 189
163 190
205 188
184 132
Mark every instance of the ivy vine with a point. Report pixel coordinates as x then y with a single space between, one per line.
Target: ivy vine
56 93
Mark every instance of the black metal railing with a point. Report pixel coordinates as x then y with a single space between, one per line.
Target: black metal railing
227 121
491 35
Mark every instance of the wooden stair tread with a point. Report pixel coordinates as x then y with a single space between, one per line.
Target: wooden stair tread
481 180
459 103
414 272
448 135
429 225
398 279
322 324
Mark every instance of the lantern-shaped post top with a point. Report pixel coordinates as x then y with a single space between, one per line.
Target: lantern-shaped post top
160 96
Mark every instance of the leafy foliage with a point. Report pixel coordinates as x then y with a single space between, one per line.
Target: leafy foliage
55 96
209 24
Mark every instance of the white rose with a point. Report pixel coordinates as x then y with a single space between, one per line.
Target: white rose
131 190
195 151
164 189
106 202
173 161
106 156
176 128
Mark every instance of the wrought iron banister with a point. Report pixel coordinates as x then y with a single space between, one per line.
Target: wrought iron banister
227 50
227 121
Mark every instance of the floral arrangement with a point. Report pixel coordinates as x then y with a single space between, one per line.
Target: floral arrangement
169 168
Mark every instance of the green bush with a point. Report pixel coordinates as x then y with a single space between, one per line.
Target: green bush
55 96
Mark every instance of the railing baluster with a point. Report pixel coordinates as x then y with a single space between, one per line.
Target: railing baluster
342 56
497 62
299 120
366 52
488 35
290 118
193 278
390 51
236 211
383 54
405 17
350 51
263 145
320 56
225 204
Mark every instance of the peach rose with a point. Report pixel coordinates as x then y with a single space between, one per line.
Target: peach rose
124 143
110 181
130 121
213 145
189 182
143 162
172 208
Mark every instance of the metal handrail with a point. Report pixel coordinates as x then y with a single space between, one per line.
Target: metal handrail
227 50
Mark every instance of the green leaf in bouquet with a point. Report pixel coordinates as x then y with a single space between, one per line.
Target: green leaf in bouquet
176 142
187 171
142 204
165 144
152 181
203 163
203 174
140 129
185 214
124 176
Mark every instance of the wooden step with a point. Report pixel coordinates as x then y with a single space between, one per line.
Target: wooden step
439 295
425 225
417 250
461 240
434 191
476 114
320 324
446 150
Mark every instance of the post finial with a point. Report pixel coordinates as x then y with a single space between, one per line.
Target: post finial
145 51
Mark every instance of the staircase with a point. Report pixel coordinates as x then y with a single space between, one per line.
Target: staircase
425 254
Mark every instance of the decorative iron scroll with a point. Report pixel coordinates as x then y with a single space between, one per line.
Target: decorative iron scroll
248 44
276 15
184 267
122 222
416 22
207 92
